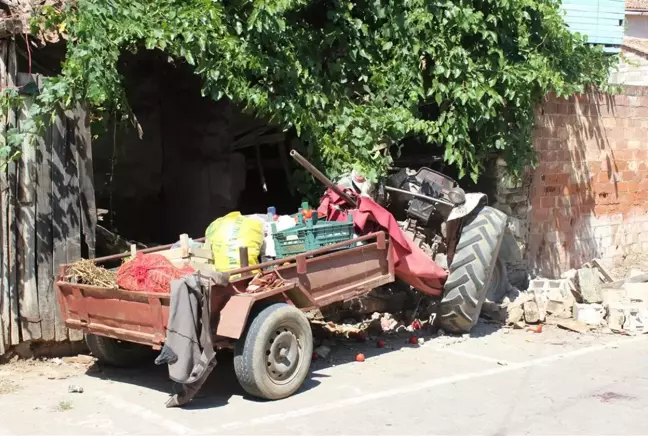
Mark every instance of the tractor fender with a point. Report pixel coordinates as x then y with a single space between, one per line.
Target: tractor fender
473 200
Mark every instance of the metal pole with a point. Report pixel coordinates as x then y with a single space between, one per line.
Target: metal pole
421 196
321 177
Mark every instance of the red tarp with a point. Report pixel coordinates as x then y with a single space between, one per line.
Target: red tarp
412 265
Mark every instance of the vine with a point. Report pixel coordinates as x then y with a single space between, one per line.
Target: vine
352 77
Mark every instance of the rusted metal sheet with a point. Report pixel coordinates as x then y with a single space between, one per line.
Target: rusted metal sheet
312 280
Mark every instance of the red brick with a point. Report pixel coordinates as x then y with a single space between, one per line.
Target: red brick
629 176
540 215
548 202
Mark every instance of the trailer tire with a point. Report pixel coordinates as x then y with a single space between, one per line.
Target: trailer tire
471 270
272 358
117 353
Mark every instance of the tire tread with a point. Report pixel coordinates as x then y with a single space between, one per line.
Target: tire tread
471 269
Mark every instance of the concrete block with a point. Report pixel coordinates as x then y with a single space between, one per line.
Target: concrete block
589 285
614 296
531 312
637 292
636 320
616 314
557 290
541 298
557 307
591 314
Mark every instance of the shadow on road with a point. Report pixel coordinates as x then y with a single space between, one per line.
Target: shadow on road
223 385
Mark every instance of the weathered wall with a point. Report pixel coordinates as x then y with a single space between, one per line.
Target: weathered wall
636 26
633 66
589 196
196 160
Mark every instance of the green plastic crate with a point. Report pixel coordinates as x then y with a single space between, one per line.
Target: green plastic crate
311 236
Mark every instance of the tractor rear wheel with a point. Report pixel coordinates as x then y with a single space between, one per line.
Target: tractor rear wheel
471 270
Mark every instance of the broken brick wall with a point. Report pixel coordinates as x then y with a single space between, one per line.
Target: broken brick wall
589 192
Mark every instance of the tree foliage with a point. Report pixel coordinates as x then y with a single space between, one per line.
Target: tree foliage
352 77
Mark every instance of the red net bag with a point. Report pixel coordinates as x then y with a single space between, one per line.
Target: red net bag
150 273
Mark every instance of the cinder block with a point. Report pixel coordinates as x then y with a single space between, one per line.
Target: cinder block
589 286
592 314
531 312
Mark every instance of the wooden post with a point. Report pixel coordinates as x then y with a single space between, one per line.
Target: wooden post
73 217
5 321
243 259
83 142
26 214
60 200
47 303
9 202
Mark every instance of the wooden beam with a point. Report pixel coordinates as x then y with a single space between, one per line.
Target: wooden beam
73 216
83 141
26 212
12 241
47 303
258 140
60 200
5 322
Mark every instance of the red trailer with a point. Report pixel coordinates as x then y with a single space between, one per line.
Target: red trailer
121 326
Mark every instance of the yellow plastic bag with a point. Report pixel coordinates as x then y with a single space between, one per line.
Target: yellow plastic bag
228 233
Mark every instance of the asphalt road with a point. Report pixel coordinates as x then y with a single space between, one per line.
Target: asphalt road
494 383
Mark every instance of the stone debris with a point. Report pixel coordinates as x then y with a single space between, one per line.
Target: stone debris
637 292
604 274
75 389
588 298
573 325
589 286
531 312
591 314
627 318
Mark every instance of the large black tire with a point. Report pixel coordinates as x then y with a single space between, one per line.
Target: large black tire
272 358
119 353
471 270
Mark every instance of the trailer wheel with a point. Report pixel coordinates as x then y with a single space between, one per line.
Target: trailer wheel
272 358
471 270
122 354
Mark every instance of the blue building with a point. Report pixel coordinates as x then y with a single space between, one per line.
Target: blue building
603 21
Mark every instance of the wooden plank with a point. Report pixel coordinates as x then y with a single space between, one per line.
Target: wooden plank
26 213
88 205
12 272
285 165
4 297
73 216
47 303
59 206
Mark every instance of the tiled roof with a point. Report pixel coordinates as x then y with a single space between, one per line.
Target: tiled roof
637 4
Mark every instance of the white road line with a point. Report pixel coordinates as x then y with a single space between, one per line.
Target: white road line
144 413
471 355
319 408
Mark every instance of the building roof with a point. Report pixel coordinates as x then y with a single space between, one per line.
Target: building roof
638 5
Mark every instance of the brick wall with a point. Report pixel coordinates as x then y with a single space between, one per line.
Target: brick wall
589 194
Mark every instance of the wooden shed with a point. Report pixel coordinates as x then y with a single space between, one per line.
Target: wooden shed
47 210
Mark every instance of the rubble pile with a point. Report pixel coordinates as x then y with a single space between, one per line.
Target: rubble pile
583 300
